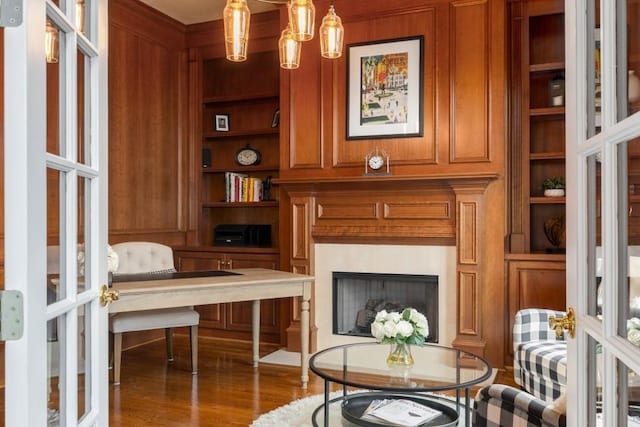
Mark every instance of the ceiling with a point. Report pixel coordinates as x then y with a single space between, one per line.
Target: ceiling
194 11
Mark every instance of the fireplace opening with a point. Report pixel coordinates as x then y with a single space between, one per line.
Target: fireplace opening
357 297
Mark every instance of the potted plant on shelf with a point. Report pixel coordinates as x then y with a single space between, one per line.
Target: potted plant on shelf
554 186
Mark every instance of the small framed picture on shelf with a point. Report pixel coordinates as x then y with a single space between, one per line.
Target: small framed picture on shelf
276 119
222 122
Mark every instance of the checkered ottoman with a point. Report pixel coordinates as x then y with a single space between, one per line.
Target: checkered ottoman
500 405
539 358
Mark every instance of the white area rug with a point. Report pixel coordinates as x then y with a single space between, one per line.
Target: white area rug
282 357
298 413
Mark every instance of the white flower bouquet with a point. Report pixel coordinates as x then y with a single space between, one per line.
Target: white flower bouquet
408 327
112 260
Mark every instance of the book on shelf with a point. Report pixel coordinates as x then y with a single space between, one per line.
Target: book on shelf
240 187
399 412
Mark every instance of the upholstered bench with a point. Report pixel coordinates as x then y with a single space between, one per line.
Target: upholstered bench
539 358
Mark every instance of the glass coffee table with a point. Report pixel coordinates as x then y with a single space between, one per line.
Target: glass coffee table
364 366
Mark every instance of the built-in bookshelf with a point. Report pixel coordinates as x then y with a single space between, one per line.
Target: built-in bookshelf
232 191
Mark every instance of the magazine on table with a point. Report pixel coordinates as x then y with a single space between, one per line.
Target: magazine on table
399 412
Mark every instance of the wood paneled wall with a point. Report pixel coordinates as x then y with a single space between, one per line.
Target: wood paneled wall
148 167
464 92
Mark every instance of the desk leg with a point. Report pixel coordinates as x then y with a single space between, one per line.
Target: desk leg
255 332
304 334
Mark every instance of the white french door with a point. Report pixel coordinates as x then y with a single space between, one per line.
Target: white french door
56 212
603 242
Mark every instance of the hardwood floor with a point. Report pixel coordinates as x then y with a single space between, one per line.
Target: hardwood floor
226 392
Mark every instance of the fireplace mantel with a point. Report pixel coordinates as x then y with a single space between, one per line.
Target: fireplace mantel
427 210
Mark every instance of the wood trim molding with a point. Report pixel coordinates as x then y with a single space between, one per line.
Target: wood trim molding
337 211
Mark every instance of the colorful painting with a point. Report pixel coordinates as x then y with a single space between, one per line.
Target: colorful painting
385 89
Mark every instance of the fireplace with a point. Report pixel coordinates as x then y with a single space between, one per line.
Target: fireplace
357 297
406 260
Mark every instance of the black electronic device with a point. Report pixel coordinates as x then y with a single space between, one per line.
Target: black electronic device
206 158
257 235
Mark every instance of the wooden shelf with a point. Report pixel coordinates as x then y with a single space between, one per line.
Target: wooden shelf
542 200
550 66
240 97
263 204
238 133
546 111
241 169
547 156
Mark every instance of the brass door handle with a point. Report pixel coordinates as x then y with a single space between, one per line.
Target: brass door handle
107 296
566 322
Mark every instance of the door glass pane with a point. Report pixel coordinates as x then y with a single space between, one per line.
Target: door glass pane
629 178
83 128
630 65
84 249
594 256
593 381
56 267
84 356
55 369
54 43
594 70
628 392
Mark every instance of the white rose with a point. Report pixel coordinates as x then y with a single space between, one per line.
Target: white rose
423 329
112 259
390 329
394 316
377 330
405 328
381 315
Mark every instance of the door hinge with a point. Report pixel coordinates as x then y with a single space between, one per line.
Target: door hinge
10 13
11 315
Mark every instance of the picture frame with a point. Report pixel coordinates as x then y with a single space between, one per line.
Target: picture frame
221 122
276 119
385 89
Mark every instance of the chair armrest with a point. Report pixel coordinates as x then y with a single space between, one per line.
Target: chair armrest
532 324
504 405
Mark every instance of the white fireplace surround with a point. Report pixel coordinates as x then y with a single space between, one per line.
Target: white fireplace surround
393 259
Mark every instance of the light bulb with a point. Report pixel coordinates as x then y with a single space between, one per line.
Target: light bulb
236 17
331 35
302 16
289 49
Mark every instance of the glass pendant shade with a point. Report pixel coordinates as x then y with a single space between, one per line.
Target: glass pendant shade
331 35
302 16
289 49
80 15
236 18
51 44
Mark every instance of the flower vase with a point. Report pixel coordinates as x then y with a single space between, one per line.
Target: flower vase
400 355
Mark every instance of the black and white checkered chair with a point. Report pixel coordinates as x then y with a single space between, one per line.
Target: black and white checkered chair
539 357
500 405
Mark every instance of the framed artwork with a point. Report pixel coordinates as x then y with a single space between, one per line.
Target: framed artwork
222 122
385 89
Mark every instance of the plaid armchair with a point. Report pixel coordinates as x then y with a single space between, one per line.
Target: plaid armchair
539 358
500 405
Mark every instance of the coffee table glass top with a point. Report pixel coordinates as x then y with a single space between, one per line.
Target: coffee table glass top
435 368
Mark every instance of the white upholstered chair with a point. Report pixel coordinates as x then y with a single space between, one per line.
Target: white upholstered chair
148 257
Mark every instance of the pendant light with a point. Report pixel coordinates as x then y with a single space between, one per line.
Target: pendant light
51 44
331 34
289 49
302 16
236 17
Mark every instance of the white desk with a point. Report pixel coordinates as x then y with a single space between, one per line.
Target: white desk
251 284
